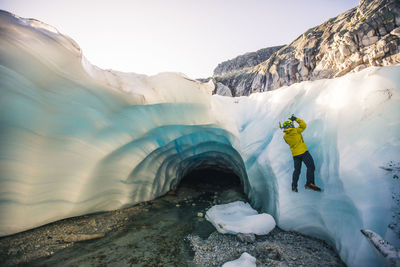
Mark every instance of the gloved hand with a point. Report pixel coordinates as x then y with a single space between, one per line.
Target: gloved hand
293 118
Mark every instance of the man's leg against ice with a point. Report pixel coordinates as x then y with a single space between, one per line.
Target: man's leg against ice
309 162
297 168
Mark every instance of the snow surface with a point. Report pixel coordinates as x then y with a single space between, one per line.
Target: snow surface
75 139
239 217
245 260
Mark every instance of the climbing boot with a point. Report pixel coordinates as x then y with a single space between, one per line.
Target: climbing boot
294 188
312 187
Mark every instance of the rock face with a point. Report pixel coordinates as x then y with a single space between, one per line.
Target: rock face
368 35
245 61
222 89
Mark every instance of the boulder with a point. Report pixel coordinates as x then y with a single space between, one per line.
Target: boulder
246 238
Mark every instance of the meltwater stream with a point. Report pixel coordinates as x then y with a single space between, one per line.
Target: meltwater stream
151 234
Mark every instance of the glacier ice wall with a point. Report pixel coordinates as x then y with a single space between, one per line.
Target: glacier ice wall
75 139
71 145
353 134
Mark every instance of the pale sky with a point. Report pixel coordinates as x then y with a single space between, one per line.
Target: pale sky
188 36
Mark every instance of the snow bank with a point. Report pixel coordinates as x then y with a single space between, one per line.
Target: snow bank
239 217
75 139
245 260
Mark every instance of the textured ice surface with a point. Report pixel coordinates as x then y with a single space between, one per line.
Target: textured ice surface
390 254
71 144
239 217
75 139
245 260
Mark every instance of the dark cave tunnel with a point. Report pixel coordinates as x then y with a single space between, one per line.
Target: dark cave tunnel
206 187
210 177
223 182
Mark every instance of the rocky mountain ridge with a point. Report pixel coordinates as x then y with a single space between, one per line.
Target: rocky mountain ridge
367 35
245 61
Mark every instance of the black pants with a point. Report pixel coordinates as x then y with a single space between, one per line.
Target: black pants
309 162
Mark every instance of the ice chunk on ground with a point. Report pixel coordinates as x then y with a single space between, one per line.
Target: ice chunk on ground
245 260
239 217
387 251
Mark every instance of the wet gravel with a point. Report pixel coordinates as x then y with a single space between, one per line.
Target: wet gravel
278 248
168 231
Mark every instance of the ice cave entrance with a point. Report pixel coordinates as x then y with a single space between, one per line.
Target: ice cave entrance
215 186
217 172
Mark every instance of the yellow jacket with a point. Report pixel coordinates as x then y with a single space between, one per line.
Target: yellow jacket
294 138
